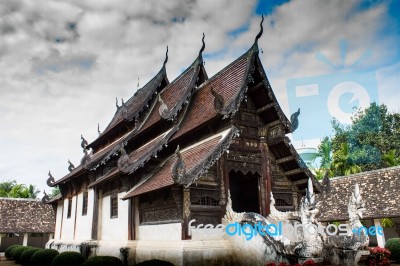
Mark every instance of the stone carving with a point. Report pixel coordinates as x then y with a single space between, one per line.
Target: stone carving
356 239
281 216
311 245
50 181
231 215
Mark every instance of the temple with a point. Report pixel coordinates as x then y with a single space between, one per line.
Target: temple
176 150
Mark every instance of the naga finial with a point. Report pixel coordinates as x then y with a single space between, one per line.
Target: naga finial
261 29
166 57
122 102
294 120
50 181
116 102
71 167
45 198
84 142
98 128
203 46
179 167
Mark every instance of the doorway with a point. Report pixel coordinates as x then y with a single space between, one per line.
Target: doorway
244 190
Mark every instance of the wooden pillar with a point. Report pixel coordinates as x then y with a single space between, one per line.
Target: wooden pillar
186 214
222 172
95 214
265 170
131 219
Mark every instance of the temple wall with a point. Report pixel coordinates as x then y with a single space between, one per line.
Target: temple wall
67 230
114 228
172 231
83 229
59 215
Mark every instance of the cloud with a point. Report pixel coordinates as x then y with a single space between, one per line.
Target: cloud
63 63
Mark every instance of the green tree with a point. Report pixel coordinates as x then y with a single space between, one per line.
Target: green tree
11 189
371 142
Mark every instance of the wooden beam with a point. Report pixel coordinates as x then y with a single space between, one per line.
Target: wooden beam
293 172
285 159
265 107
256 87
300 182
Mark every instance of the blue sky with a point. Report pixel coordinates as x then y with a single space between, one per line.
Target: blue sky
63 63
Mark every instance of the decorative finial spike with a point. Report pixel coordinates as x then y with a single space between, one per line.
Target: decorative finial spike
138 83
98 128
204 44
116 102
122 101
261 29
166 57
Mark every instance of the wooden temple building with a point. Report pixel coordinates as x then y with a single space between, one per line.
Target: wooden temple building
173 151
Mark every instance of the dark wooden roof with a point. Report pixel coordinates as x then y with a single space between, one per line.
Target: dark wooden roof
380 189
197 158
26 216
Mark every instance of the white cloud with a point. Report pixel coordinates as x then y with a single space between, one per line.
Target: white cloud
63 63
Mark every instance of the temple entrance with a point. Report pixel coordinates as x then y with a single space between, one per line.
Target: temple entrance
244 190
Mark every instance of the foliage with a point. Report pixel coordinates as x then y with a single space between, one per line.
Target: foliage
393 245
379 256
155 262
11 189
54 192
371 142
387 222
17 252
68 258
103 261
43 257
8 252
27 255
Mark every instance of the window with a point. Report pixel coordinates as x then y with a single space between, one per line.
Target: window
85 203
69 208
114 206
206 201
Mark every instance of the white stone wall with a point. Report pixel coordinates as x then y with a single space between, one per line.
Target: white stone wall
59 218
171 231
67 230
114 228
83 229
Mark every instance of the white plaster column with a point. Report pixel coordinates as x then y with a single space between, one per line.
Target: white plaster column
379 238
51 236
25 241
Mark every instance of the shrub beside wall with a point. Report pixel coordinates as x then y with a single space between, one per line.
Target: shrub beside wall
8 252
393 245
103 261
27 255
43 257
68 258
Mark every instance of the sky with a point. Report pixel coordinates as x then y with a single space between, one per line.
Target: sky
63 63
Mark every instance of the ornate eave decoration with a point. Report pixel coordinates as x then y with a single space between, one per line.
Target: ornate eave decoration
45 198
71 167
179 167
294 120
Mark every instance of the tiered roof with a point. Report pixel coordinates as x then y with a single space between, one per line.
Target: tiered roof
179 110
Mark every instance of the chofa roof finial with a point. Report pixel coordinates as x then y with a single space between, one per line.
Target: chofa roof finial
166 57
204 44
261 29
98 128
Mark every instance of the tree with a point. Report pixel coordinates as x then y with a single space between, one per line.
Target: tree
11 189
371 142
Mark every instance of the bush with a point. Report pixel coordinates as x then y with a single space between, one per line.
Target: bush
103 261
68 258
8 252
26 256
393 245
17 252
155 262
43 257
379 256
